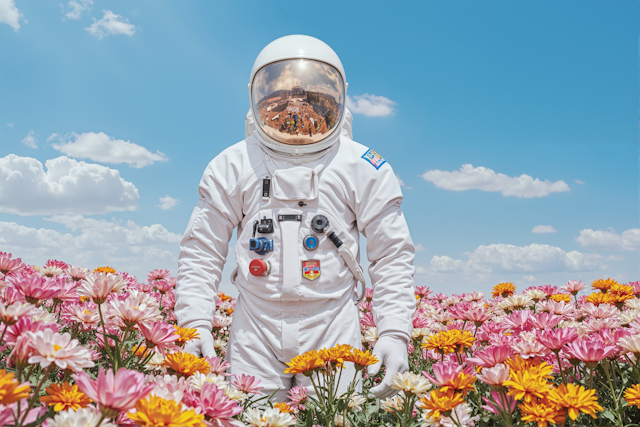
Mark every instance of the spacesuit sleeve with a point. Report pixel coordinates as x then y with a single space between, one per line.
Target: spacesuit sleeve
204 246
390 251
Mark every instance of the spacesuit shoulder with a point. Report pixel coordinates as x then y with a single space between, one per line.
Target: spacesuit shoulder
364 160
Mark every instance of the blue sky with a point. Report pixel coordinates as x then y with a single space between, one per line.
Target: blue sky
518 91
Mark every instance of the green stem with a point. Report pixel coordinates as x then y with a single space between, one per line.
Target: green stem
564 380
613 393
36 391
3 332
114 363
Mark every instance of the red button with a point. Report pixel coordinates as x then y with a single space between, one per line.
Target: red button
259 267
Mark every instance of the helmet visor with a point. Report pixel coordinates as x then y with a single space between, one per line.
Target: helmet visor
298 101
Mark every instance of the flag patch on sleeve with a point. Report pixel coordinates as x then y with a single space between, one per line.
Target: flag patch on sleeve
374 158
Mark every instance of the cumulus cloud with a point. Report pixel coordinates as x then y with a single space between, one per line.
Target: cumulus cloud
167 202
371 105
481 178
419 248
577 181
10 14
88 242
66 187
30 140
544 229
628 240
10 124
111 24
103 148
76 8
501 258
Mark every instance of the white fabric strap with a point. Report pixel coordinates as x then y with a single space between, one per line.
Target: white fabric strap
290 257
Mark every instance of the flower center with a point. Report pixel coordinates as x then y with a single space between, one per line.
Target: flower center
56 347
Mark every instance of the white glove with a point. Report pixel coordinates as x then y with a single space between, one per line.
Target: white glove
392 352
203 346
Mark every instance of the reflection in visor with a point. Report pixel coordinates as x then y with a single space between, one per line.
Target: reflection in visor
298 101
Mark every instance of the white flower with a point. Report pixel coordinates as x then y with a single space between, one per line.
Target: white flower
40 315
630 344
420 333
356 401
219 344
536 294
83 417
10 314
168 387
51 271
339 421
628 316
52 347
271 417
197 380
460 416
371 336
234 394
633 304
515 301
221 321
156 362
411 383
391 403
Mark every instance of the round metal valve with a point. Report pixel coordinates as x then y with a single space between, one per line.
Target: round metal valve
259 267
319 223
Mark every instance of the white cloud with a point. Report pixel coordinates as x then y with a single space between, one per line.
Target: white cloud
628 240
529 278
371 105
10 124
111 24
481 178
101 147
66 187
77 7
501 258
419 248
577 181
30 140
167 202
544 229
125 246
10 14
401 182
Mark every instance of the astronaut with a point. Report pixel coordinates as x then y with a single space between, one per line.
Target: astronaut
299 191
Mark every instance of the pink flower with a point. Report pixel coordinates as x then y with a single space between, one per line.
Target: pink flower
114 393
491 356
160 335
589 351
368 293
298 397
528 347
545 320
217 365
423 291
555 339
366 320
85 314
157 274
220 322
24 325
55 263
163 286
214 404
477 314
11 313
419 319
68 291
518 319
35 288
635 286
77 273
499 403
51 347
133 310
558 307
8 265
574 286
496 375
602 311
98 286
22 351
446 372
247 384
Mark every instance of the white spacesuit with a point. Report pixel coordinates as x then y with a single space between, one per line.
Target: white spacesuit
299 190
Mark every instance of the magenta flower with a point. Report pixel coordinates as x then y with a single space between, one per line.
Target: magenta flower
247 384
419 319
157 274
24 325
35 288
545 320
161 335
494 376
163 286
491 356
298 397
499 403
445 373
114 393
368 293
518 319
589 351
555 339
214 404
366 320
8 265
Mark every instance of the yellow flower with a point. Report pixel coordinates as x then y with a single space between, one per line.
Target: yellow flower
337 354
561 297
65 396
603 284
186 334
10 390
598 298
621 293
186 364
361 358
575 400
449 341
632 395
283 407
105 269
305 363
504 289
441 402
461 384
527 384
157 412
542 413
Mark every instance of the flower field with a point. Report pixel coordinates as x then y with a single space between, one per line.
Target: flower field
100 348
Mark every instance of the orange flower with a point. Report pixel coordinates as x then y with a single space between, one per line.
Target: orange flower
283 407
337 354
361 358
449 341
154 411
603 284
542 413
441 403
621 293
105 269
461 384
186 364
504 289
186 334
575 400
632 395
527 384
10 390
598 298
561 297
65 396
305 363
